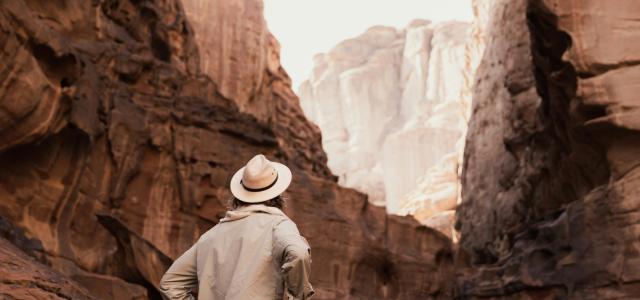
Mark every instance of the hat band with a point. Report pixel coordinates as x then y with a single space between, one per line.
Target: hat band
260 189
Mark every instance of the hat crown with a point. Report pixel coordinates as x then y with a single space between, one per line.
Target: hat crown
260 180
259 173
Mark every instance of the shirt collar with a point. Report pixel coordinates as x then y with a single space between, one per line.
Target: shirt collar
245 211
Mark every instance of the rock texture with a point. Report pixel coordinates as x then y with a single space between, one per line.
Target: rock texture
391 105
551 181
24 278
121 123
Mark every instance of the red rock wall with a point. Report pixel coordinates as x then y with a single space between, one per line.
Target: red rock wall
24 278
122 121
551 182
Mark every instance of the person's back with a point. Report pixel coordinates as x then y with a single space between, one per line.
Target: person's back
255 252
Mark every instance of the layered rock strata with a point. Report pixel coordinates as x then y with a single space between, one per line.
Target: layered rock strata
551 181
121 123
25 278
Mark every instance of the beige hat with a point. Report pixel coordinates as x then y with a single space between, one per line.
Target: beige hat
260 180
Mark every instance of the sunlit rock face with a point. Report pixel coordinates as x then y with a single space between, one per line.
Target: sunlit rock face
392 104
350 97
438 125
438 192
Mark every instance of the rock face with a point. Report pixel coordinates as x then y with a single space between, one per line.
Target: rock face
438 192
391 105
121 123
551 181
24 278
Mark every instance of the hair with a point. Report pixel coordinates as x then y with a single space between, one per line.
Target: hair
277 202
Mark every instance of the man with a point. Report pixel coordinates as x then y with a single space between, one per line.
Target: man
255 252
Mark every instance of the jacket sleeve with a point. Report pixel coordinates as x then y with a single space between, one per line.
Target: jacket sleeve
177 282
293 253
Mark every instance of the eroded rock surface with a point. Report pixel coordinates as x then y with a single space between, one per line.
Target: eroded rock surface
122 121
118 133
392 104
551 183
24 278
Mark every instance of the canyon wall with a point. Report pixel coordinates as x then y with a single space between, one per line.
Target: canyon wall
392 106
551 183
25 278
121 122
120 125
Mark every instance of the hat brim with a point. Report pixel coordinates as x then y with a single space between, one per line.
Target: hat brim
281 185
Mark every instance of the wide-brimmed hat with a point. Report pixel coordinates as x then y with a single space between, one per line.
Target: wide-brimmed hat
260 180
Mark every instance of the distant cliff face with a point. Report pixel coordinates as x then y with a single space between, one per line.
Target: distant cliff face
551 183
392 106
121 123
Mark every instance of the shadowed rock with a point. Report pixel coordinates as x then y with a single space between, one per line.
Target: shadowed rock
551 178
24 278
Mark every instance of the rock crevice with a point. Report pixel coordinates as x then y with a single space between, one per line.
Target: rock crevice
545 210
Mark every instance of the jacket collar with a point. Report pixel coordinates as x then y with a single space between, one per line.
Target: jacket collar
248 210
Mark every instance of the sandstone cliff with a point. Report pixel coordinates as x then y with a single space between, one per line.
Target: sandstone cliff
24 278
551 178
121 122
392 106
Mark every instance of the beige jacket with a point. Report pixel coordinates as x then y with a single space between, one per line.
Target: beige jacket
253 253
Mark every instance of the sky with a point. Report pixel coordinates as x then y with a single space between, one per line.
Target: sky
307 27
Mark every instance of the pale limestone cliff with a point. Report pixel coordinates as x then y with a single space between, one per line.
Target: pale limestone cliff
392 106
438 192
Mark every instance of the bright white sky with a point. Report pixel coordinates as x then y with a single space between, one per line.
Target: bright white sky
307 27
